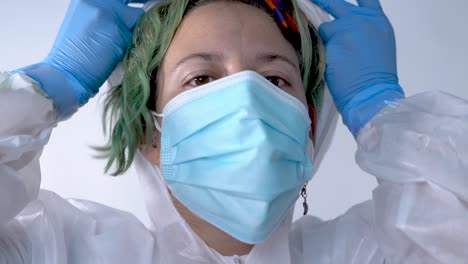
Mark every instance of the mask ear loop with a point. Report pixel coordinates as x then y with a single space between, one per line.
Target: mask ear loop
156 124
155 118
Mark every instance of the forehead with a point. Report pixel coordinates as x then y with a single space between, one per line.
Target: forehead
229 26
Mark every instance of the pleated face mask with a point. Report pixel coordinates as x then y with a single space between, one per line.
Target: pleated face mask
235 152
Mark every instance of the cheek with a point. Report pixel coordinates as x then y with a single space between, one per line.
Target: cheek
165 92
301 96
299 92
161 100
297 87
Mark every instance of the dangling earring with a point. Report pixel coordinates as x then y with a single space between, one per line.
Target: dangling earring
304 196
154 142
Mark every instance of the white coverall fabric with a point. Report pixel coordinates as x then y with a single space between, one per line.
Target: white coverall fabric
417 149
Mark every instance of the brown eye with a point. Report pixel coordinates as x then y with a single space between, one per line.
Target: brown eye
277 81
201 80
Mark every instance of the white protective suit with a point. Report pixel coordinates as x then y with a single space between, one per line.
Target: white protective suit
417 149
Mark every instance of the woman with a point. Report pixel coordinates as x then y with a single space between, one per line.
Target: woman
236 95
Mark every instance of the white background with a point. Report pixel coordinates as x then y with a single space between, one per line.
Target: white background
432 41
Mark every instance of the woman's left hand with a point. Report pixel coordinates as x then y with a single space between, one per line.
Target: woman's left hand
361 60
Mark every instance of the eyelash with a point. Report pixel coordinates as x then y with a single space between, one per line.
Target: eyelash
210 79
286 83
197 78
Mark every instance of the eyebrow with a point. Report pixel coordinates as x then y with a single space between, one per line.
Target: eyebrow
203 56
263 57
270 57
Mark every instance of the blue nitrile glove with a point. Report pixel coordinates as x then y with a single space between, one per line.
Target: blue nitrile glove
361 60
93 38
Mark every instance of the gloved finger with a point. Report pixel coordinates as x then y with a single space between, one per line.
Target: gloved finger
121 39
129 15
327 30
370 3
124 38
336 8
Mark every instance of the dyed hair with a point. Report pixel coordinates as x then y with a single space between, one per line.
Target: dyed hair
127 107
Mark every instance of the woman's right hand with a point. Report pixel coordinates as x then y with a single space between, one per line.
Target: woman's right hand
93 38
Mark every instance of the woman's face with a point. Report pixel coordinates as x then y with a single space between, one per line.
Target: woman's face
224 38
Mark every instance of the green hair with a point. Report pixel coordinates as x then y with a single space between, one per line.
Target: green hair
312 59
127 107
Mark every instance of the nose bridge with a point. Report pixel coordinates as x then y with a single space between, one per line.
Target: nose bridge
236 65
239 60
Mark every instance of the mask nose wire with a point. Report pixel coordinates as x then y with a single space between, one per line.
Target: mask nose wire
155 117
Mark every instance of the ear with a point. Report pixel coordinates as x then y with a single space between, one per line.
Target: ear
151 151
152 154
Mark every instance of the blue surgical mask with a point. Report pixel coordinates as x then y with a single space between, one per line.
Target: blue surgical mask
235 152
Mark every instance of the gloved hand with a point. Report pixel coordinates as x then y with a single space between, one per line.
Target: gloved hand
361 60
93 38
